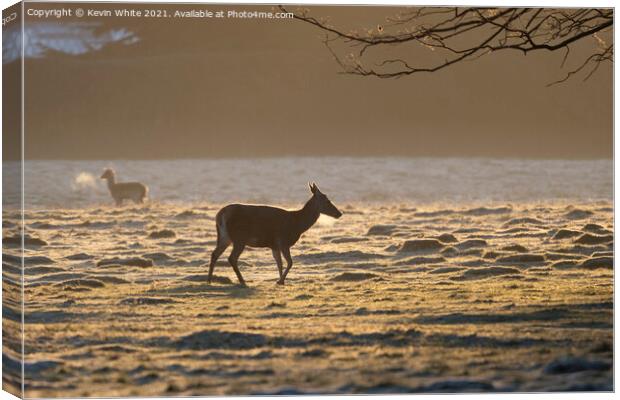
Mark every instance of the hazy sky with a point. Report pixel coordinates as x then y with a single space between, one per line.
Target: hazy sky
170 88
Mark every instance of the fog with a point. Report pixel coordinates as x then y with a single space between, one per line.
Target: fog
131 88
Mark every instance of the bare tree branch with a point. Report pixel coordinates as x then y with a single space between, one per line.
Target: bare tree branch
466 34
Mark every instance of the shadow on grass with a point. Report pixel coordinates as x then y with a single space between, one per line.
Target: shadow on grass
205 290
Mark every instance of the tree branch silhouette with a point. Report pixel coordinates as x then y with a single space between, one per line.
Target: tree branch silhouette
459 35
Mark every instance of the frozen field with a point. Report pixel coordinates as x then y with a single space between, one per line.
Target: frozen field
499 286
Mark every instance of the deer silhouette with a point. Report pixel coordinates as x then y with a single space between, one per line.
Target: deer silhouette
265 226
120 191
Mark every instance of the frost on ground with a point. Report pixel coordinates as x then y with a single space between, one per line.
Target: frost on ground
388 299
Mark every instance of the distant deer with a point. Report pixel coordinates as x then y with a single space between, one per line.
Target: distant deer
135 191
265 226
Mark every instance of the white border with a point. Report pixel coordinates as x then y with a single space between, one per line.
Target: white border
539 3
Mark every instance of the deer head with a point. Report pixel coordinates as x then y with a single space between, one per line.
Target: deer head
323 204
107 174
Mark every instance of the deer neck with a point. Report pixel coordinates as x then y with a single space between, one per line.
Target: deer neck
111 182
306 217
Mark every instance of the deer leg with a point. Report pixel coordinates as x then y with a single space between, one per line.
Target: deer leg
286 252
219 249
278 258
233 258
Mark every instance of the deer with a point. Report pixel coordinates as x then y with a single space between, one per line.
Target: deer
267 227
135 191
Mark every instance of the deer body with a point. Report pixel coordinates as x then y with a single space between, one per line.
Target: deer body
135 191
269 227
265 226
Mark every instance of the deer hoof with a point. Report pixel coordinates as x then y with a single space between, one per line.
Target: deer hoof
280 282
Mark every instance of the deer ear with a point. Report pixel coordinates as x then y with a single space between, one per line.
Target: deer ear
311 187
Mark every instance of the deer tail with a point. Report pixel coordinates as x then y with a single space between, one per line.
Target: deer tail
220 226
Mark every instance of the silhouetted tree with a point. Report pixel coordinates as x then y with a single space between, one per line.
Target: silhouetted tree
457 35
